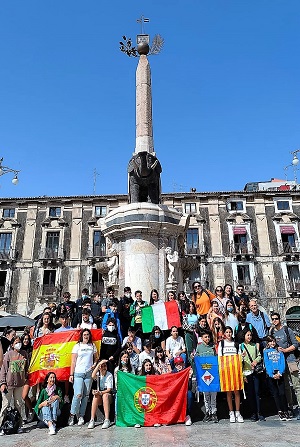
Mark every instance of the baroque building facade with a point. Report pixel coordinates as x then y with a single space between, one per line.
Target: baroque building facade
49 245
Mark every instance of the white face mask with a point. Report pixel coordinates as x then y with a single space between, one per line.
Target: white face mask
128 295
110 328
18 346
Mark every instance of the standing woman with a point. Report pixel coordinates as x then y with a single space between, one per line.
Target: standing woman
48 406
45 326
171 296
84 357
218 331
221 299
154 297
27 347
189 324
228 292
229 347
13 377
184 304
231 316
202 298
251 357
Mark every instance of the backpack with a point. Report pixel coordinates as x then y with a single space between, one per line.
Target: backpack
236 345
296 352
11 421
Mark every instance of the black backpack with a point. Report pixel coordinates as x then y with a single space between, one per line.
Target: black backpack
11 421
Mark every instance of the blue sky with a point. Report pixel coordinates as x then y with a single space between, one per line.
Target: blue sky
226 96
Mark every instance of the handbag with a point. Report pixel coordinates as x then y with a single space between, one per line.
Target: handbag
259 367
293 367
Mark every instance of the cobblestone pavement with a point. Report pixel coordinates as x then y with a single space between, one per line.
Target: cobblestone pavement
270 433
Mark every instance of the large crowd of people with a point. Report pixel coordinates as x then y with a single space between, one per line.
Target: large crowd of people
212 324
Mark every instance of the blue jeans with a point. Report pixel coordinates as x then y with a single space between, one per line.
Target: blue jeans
82 387
50 413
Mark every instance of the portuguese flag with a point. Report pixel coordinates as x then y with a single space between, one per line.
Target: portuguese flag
165 315
53 352
149 400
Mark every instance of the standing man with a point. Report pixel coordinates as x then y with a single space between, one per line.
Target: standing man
96 309
287 344
70 305
84 296
239 294
136 312
123 310
259 320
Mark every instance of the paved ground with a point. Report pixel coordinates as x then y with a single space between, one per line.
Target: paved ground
271 433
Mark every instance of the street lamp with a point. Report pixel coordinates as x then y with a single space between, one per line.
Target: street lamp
6 170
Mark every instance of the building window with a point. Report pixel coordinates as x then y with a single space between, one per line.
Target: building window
190 208
100 211
293 277
55 211
5 243
240 243
49 282
97 282
236 205
243 274
288 238
8 212
99 244
52 244
192 241
283 204
2 283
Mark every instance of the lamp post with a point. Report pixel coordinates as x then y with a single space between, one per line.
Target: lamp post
6 170
295 162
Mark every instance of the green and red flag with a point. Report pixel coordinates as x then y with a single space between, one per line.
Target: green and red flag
149 400
53 352
164 314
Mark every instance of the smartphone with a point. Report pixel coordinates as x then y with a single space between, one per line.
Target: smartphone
276 371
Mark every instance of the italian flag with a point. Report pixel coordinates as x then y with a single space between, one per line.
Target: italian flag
149 400
164 314
53 352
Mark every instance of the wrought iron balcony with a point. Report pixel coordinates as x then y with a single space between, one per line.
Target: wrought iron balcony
242 248
293 286
287 248
96 252
49 254
198 250
7 254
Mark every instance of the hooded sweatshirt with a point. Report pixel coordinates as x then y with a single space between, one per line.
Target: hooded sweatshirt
14 369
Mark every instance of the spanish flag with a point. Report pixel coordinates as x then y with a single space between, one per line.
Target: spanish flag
53 352
149 400
230 372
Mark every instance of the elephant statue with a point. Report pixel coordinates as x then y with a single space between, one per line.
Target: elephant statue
144 178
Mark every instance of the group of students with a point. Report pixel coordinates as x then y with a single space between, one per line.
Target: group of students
212 324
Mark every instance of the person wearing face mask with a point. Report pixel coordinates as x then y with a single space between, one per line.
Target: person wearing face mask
13 377
230 315
112 312
110 345
123 310
79 302
157 338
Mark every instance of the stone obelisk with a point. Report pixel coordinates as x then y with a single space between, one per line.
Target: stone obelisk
144 129
143 229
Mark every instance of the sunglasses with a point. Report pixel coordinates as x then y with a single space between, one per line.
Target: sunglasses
219 290
274 318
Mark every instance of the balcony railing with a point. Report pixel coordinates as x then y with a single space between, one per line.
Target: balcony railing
96 252
48 290
7 254
52 254
195 250
293 285
286 247
242 248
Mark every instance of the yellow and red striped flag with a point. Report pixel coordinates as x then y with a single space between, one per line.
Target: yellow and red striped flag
230 372
53 352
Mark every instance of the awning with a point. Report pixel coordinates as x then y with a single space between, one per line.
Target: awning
287 229
239 230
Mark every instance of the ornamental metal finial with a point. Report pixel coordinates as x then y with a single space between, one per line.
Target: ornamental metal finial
143 41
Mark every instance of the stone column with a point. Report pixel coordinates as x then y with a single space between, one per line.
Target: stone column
144 130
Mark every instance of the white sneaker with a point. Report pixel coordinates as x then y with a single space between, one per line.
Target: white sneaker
2 433
136 426
80 421
71 420
232 416
106 423
239 417
52 430
91 424
20 430
188 420
156 425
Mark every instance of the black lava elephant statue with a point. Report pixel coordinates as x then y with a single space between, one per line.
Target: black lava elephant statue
144 178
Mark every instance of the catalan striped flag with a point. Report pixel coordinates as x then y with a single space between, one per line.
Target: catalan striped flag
230 372
53 352
164 314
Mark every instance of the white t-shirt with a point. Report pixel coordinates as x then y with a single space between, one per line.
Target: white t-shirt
175 345
85 356
145 355
228 349
105 382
